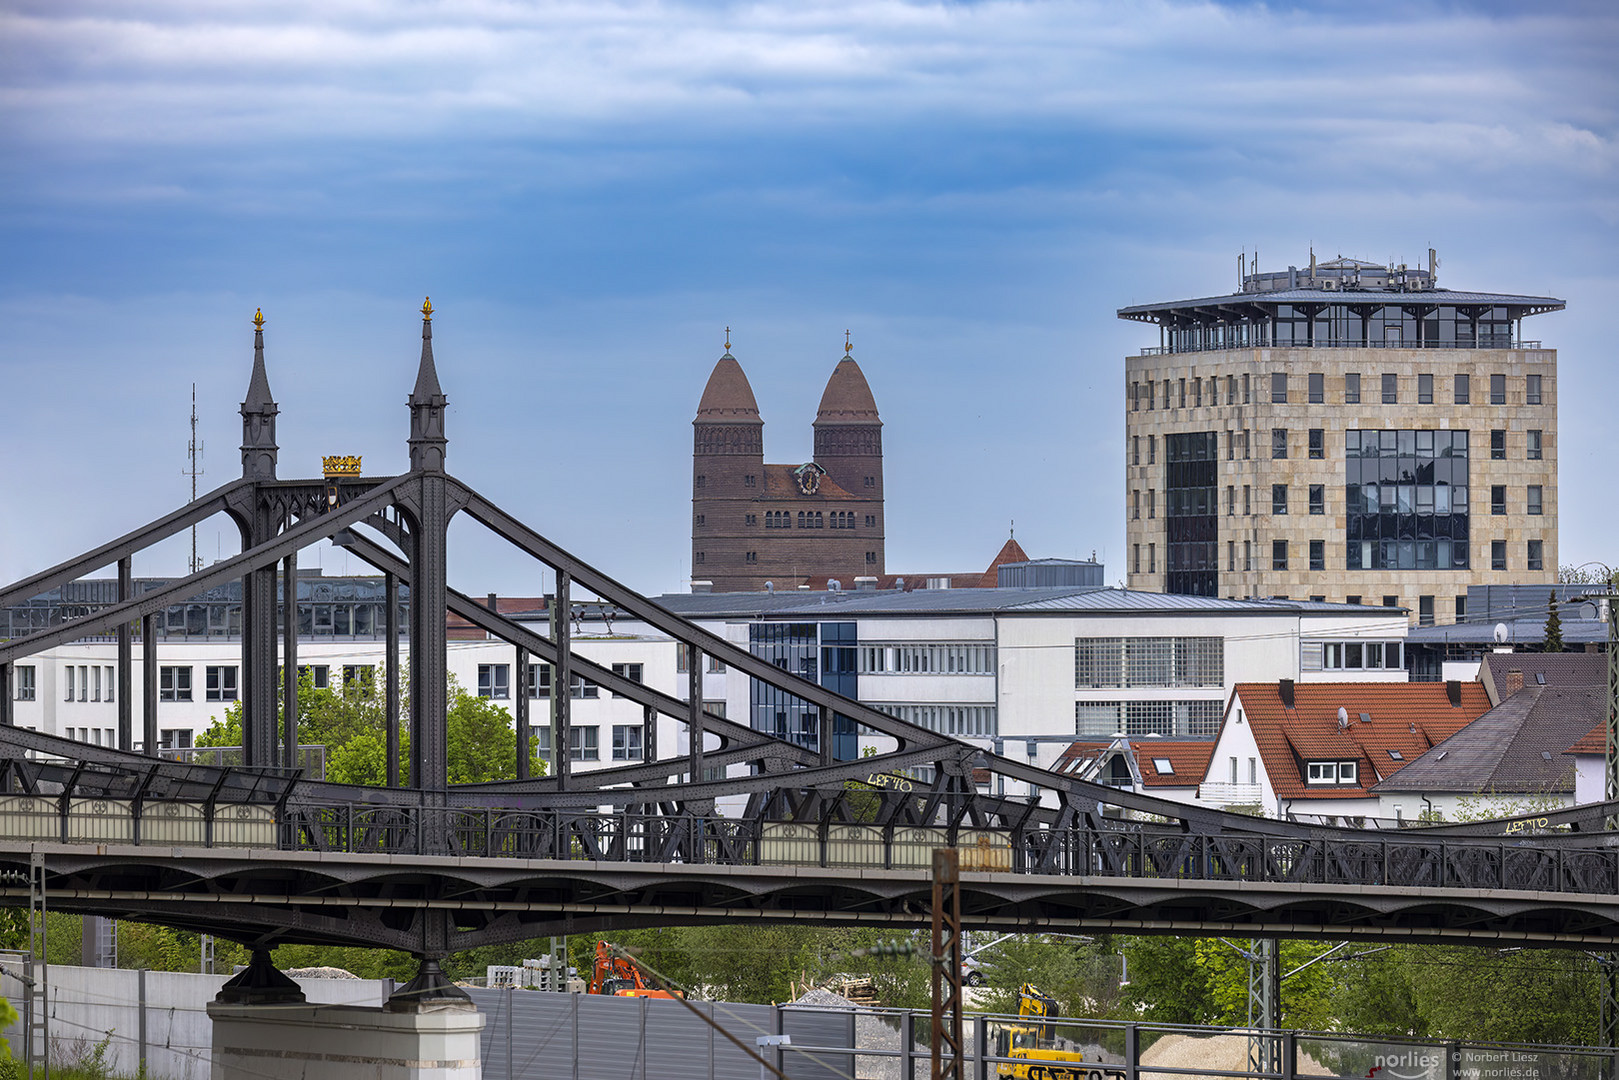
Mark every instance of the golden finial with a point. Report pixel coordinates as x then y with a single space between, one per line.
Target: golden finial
847 346
427 309
258 319
727 339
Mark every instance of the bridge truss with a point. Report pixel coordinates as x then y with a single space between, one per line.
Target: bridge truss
262 856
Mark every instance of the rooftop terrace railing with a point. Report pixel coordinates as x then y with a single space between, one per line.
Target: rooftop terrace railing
1342 343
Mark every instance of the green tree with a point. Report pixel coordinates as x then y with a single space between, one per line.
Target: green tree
481 742
1081 974
1167 984
1554 627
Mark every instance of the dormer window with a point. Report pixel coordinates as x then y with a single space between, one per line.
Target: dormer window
1333 772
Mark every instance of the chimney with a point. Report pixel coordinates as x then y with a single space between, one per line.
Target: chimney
865 583
1453 691
1514 682
702 586
1286 688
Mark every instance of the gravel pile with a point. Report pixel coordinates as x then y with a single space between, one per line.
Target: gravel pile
871 1032
319 973
1224 1053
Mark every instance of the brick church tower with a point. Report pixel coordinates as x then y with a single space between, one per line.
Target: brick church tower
789 525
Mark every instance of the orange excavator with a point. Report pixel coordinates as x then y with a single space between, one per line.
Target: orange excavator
617 977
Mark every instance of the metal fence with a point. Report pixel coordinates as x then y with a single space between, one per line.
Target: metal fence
530 1036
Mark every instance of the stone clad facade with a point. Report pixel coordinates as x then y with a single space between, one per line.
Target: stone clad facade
1354 435
754 522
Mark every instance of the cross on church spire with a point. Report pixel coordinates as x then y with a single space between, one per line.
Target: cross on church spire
848 347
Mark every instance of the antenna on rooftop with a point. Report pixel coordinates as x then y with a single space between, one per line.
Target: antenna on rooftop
194 469
1343 718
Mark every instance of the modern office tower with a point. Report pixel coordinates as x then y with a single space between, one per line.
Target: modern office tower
753 522
1347 432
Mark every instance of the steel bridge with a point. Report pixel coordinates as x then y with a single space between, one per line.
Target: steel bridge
261 856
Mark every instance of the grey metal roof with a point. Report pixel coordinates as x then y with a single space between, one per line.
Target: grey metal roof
1519 632
1515 748
1033 601
1391 298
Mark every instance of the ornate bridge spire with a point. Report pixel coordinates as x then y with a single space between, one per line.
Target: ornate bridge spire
258 415
427 403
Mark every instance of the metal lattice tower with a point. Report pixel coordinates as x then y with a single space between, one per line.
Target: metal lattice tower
1264 1005
945 1038
38 1006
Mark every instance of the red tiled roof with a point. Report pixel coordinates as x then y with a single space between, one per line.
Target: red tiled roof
1594 741
728 396
847 398
1405 717
1189 760
1010 553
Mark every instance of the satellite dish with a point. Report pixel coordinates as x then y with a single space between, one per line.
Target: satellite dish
1501 633
1343 717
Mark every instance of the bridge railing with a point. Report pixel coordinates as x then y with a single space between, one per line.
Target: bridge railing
1119 850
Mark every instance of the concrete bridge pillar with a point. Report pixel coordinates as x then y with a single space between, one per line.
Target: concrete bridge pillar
429 1030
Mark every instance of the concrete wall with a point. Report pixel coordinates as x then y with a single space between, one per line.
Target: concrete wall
92 1004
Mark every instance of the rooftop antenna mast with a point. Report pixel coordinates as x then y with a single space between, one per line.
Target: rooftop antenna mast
194 469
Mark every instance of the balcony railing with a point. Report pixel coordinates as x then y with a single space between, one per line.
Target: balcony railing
1489 342
1221 794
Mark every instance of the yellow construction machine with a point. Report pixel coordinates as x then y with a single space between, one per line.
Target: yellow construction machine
1039 1052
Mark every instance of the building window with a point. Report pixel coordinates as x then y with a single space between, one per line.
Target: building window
626 742
1351 655
632 672
1352 388
1246 396
1278 443
1498 499
1318 498
1247 447
1197 392
319 675
1247 555
1152 504
1247 505
1278 387
1152 558
699 521
1536 555
173 739
1278 498
1424 389
1151 390
751 558
1318 388
25 685
1531 389
751 519
1332 772
1278 554
871 482
1318 444
1146 662
1318 554
1498 554
1135 397
1352 599
1533 449
361 677
1461 607
1391 601
221 683
1424 611
1135 449
750 480
539 680
1231 500
1231 555
1498 389
583 744
871 558
494 680
871 521
1230 389
715 666
1391 388
1135 506
1183 394
174 684
1464 390
1194 719
1135 560
699 558
702 481
1152 449
1498 445
1534 499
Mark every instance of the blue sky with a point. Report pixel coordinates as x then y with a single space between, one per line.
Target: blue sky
591 192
